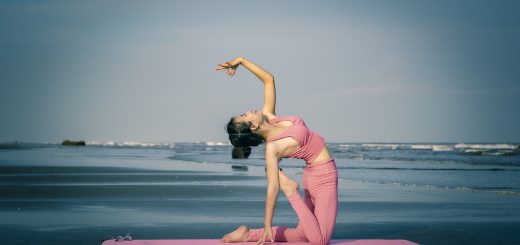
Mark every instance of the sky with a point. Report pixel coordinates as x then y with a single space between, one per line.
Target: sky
355 71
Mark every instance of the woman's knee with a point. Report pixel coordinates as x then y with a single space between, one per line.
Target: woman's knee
320 242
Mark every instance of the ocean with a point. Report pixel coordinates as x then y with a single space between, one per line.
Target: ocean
429 193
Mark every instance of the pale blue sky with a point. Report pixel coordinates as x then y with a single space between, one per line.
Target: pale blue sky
356 71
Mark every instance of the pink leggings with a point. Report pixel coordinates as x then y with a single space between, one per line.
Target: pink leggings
316 212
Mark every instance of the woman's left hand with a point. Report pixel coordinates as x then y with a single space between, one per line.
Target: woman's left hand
267 234
229 67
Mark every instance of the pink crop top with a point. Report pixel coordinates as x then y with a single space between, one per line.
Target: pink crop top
311 143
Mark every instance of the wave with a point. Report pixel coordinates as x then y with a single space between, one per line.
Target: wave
256 163
501 153
501 158
382 146
132 144
487 146
211 143
140 144
419 152
480 152
474 152
495 190
432 147
429 169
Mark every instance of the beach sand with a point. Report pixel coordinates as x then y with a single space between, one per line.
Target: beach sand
78 202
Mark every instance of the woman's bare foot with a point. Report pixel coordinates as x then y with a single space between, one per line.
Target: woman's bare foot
241 234
287 185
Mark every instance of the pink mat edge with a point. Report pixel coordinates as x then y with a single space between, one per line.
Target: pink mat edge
217 241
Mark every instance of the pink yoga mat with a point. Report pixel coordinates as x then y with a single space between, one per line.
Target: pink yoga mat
217 242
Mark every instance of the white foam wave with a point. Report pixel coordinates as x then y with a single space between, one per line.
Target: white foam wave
487 146
382 146
501 153
432 147
422 147
442 148
211 143
473 151
461 188
132 144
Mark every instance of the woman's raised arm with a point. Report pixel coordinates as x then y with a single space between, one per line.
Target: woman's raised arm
262 74
269 87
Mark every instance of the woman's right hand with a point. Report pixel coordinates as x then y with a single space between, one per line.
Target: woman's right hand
230 67
266 235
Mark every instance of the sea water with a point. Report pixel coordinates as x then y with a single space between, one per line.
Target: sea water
476 167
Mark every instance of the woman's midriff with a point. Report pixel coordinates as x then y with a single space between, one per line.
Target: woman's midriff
323 157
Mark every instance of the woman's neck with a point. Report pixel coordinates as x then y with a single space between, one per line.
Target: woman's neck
267 130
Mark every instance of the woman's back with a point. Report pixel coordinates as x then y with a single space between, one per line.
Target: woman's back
310 143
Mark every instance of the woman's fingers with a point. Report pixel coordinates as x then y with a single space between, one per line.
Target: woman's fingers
270 236
229 71
262 239
219 68
260 242
228 68
222 66
225 68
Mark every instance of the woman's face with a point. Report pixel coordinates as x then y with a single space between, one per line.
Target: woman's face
254 117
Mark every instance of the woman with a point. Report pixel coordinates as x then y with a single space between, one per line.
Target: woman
286 137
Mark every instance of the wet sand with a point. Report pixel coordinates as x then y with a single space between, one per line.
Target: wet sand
86 205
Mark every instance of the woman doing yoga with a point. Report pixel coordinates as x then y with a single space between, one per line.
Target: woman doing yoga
286 137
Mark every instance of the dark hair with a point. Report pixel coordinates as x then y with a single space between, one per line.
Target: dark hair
241 152
240 134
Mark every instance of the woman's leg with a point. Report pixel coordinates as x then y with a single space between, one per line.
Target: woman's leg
326 206
316 212
286 234
322 181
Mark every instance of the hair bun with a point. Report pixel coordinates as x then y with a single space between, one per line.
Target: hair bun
241 152
245 141
241 135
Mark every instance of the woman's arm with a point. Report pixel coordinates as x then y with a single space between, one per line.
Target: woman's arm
269 86
262 74
273 185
